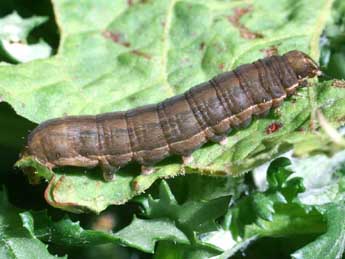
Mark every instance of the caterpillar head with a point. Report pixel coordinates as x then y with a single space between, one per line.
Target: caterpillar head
303 65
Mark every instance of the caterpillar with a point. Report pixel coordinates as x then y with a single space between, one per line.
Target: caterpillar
176 126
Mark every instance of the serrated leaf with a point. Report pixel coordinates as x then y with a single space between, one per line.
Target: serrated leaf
273 213
141 234
193 217
17 240
146 232
291 217
14 31
246 220
277 173
293 187
263 206
119 61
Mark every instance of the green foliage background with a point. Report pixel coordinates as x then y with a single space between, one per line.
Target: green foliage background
114 55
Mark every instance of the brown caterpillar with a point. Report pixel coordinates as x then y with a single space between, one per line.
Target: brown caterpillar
178 125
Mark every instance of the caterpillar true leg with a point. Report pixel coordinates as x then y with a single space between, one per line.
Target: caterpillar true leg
224 141
147 170
107 170
187 159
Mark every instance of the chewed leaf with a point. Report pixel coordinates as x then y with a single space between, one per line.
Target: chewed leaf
33 166
131 55
86 191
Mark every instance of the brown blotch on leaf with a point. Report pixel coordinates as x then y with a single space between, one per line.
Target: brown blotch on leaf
273 127
245 32
202 46
270 51
116 37
141 54
221 66
338 83
131 2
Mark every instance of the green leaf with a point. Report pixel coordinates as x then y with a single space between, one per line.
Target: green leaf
17 240
278 173
281 191
274 212
280 182
277 212
145 233
196 187
168 250
292 215
288 220
332 47
263 206
193 217
14 31
98 67
115 56
140 234
330 245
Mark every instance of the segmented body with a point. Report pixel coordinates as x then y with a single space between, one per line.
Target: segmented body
178 125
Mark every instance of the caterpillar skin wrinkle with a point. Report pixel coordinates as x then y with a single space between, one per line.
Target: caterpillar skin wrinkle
178 125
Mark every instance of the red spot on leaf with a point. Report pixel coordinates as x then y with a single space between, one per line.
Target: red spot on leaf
273 127
221 66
